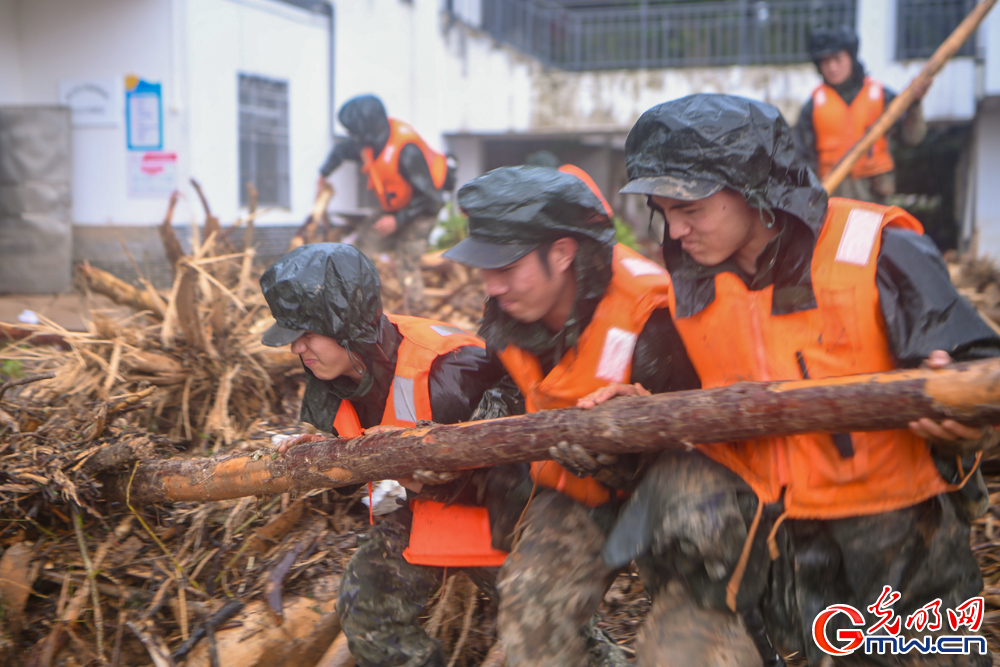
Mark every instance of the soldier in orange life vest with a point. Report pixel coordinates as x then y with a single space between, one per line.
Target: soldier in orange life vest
773 281
839 112
365 369
407 176
568 311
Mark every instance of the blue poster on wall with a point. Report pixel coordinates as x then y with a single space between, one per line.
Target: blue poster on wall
143 114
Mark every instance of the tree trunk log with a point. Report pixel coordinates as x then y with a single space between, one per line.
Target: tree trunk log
967 392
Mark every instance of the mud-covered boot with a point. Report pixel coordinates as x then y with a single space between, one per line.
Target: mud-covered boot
679 633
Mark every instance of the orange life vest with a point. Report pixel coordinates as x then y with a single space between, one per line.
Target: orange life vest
838 127
603 354
452 536
585 177
736 338
394 192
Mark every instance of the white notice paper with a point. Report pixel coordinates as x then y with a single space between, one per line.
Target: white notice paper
152 174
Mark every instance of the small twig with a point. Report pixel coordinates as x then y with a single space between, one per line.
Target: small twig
116 652
274 587
181 575
228 610
158 598
470 608
155 647
95 594
10 384
213 649
438 616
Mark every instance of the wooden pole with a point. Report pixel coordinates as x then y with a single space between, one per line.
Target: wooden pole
906 98
307 232
967 392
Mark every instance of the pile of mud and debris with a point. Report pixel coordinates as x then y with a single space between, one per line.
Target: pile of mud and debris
88 579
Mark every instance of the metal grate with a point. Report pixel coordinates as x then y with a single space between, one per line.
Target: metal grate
263 110
922 25
730 32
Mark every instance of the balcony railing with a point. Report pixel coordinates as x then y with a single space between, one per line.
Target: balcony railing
921 26
729 32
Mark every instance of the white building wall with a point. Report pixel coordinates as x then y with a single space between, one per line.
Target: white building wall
989 47
986 168
10 54
451 79
439 80
94 39
952 97
195 49
226 38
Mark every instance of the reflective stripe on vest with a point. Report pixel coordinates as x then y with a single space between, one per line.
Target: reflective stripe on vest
409 401
393 191
843 335
603 354
838 127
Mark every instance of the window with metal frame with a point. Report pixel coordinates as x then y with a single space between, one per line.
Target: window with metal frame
263 127
922 25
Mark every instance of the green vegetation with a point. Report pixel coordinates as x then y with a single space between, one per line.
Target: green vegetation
11 368
625 235
455 226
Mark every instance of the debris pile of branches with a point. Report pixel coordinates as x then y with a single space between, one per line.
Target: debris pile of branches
52 455
452 293
978 281
249 582
198 345
986 546
90 580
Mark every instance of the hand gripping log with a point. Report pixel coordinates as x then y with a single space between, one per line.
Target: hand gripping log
968 392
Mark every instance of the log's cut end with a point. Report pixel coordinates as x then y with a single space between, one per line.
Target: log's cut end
975 385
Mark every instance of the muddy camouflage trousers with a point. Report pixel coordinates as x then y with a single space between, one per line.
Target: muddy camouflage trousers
552 584
382 598
694 516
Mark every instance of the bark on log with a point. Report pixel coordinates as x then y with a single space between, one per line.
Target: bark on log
967 392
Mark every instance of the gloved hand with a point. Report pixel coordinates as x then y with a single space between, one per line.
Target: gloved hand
286 443
988 438
578 460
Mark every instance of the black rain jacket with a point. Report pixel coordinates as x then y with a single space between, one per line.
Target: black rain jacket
368 125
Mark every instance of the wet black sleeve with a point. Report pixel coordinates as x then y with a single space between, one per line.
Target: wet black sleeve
345 149
922 310
458 381
426 198
805 136
660 363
